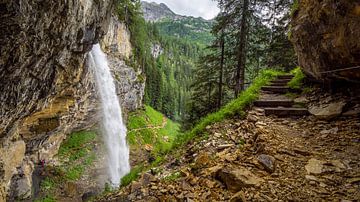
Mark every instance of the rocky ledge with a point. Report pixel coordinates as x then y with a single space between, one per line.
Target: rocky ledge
326 38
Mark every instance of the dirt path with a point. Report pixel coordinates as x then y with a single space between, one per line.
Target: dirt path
163 124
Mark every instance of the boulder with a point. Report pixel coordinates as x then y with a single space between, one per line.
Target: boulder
327 111
238 178
314 166
326 38
268 162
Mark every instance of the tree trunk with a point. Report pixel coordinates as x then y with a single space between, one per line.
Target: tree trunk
222 46
241 56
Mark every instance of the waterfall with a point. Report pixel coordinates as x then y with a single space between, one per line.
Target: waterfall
113 126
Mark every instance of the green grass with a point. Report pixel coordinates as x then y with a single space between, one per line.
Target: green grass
141 130
74 173
133 175
156 118
297 81
235 108
173 176
47 198
75 154
47 184
73 146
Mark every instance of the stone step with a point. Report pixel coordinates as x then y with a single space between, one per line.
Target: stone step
278 84
287 76
274 103
276 89
281 81
285 112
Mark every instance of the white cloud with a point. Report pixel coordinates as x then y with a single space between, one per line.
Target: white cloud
198 8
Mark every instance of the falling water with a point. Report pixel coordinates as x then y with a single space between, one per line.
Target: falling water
114 128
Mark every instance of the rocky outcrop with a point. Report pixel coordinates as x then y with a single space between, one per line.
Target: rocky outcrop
43 77
47 89
326 38
130 82
155 12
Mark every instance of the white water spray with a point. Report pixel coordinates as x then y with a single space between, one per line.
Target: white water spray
114 128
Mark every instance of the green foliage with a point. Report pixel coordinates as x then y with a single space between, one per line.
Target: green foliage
47 184
295 7
236 107
74 173
133 175
73 148
47 198
196 30
297 81
129 12
173 176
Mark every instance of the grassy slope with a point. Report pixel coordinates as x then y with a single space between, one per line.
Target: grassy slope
146 127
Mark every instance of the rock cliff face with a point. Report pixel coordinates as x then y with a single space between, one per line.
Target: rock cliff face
326 38
129 81
47 88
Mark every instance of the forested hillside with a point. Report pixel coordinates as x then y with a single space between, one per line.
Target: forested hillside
249 36
167 51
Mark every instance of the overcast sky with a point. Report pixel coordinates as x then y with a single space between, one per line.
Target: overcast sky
198 8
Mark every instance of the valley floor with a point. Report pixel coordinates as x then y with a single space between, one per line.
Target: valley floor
260 158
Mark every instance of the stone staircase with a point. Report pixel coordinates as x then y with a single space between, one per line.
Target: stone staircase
274 101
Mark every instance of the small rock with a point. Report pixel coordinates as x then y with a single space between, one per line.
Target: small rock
147 178
311 178
202 160
224 146
238 197
252 118
71 189
302 152
354 111
354 180
330 131
314 166
301 100
267 161
237 178
148 147
217 135
339 166
135 187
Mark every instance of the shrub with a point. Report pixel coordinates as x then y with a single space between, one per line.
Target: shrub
297 81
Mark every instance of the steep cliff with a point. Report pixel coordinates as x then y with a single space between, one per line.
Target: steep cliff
129 81
47 89
326 38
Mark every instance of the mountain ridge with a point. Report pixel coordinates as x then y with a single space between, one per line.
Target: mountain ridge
154 12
